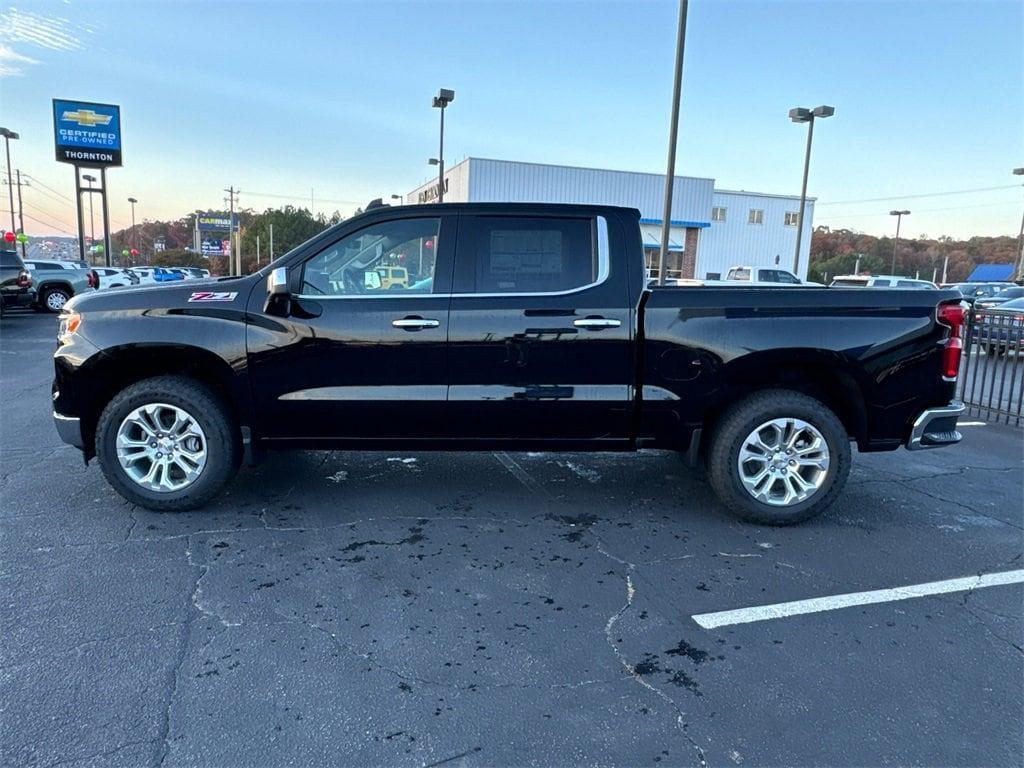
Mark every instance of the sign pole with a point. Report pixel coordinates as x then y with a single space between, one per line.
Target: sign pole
81 215
106 218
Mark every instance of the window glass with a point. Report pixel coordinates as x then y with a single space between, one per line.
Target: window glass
718 214
756 216
791 218
531 255
391 257
785 277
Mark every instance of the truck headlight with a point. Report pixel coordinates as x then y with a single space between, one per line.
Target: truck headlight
69 323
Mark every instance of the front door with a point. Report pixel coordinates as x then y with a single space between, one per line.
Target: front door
363 353
540 339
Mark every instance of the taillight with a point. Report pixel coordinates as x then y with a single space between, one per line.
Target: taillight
952 316
91 279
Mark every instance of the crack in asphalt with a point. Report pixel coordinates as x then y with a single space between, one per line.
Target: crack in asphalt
630 669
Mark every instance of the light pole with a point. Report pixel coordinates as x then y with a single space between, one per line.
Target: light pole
441 101
896 244
1020 237
8 135
135 242
92 221
804 115
399 198
673 138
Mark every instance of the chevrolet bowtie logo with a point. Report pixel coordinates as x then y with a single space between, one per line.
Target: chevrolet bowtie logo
87 118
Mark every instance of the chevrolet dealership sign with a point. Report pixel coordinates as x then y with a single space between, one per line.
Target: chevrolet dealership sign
87 134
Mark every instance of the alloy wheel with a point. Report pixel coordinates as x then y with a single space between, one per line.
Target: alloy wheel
783 462
161 447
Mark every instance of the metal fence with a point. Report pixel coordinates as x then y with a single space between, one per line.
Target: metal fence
992 367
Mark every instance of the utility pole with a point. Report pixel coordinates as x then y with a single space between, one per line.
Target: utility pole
21 212
234 243
673 137
271 254
257 251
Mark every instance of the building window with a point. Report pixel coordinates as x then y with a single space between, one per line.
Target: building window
718 214
792 217
756 216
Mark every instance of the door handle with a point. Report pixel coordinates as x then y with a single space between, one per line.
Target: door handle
415 323
596 323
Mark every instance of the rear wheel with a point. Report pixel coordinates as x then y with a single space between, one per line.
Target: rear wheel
778 457
54 299
167 443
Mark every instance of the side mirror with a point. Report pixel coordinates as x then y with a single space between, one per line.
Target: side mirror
279 297
277 282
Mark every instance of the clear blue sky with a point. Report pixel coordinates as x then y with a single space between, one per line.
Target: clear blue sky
279 97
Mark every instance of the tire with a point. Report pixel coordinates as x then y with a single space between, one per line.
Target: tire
54 299
220 443
733 433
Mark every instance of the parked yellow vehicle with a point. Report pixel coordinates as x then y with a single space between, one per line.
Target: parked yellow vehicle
391 277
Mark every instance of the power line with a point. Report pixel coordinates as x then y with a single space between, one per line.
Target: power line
49 224
302 197
922 194
46 186
919 210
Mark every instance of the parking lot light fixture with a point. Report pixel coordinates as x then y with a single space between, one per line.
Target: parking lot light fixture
1020 236
899 219
8 135
135 244
806 115
399 198
444 97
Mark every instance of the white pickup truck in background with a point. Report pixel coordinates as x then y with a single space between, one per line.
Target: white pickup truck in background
763 276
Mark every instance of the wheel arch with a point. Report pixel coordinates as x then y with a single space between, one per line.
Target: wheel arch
101 378
825 376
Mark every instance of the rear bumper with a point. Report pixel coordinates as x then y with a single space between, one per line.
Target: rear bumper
936 427
70 429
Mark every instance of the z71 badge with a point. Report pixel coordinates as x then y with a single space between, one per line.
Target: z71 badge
213 296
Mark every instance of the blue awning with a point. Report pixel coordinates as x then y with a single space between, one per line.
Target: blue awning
991 273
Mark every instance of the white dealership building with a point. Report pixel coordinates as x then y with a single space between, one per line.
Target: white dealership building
712 229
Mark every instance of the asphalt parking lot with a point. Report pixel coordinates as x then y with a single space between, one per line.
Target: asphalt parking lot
498 609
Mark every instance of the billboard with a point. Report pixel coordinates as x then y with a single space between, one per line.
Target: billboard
214 222
87 133
214 246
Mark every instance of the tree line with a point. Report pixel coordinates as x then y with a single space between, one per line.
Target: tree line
837 251
292 226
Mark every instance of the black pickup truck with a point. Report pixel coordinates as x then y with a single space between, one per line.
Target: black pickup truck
502 326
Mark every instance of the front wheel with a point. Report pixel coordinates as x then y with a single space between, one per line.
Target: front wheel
778 457
167 443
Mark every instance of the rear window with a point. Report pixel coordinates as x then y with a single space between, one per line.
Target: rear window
507 254
849 283
10 259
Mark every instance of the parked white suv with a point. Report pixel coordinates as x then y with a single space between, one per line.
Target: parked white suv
881 281
113 277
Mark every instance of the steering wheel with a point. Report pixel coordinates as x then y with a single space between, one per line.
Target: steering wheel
351 284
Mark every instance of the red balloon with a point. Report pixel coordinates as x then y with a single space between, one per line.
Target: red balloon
9 237
134 252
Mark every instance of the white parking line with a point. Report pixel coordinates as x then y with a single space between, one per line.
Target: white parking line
834 602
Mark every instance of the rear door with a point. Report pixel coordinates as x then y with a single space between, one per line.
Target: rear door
540 338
